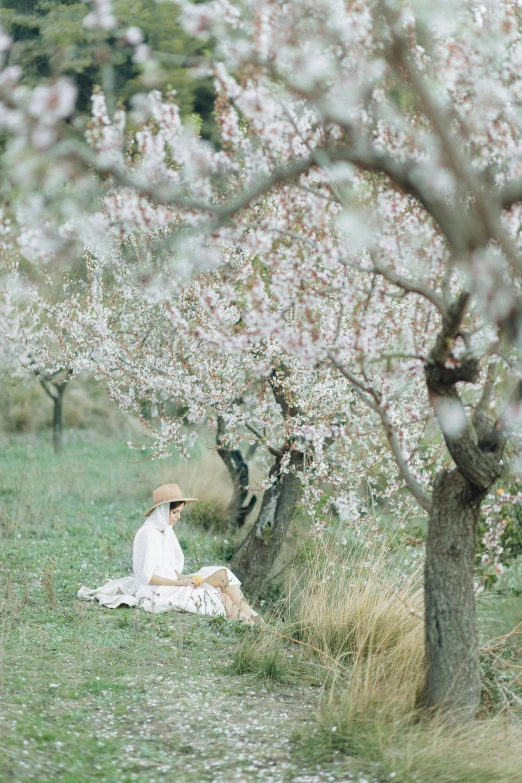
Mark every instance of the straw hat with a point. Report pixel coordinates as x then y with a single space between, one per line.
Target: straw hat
168 493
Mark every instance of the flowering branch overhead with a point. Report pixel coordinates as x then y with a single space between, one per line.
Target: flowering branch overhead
333 232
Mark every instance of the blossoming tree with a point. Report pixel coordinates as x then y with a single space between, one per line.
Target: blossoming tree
356 249
24 350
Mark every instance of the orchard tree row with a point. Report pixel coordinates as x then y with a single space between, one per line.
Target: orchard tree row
338 280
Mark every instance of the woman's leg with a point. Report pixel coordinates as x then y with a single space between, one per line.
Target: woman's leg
220 579
239 599
233 611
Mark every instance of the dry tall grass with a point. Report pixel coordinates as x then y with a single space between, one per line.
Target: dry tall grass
366 617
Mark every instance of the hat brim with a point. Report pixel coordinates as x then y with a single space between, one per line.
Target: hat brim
172 500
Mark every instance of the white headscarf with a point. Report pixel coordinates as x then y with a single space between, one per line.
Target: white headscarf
160 517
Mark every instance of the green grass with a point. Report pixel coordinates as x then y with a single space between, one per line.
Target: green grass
119 696
267 658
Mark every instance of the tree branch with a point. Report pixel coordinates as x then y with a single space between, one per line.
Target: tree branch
50 390
287 408
410 286
272 449
510 194
409 177
371 398
481 421
166 194
485 224
478 462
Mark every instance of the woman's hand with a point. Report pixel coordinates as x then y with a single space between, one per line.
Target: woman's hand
185 582
191 581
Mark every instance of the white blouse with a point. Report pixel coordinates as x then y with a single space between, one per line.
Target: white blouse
156 552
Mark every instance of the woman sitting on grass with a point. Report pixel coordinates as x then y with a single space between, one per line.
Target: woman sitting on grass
158 567
159 585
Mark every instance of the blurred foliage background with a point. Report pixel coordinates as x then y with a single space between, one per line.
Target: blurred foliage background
51 40
25 408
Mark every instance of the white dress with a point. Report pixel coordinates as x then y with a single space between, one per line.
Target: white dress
156 550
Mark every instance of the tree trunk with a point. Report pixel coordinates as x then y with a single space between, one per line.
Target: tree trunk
451 642
452 681
57 421
237 467
259 550
55 388
238 470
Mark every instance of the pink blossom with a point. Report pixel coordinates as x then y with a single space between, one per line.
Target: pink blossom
101 17
133 36
54 103
199 20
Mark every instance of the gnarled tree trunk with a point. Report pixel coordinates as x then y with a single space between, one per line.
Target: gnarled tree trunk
259 550
237 467
452 681
452 671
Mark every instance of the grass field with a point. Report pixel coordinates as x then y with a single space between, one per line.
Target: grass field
119 695
122 696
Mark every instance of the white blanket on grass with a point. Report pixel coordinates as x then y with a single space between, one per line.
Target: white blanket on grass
112 594
128 591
